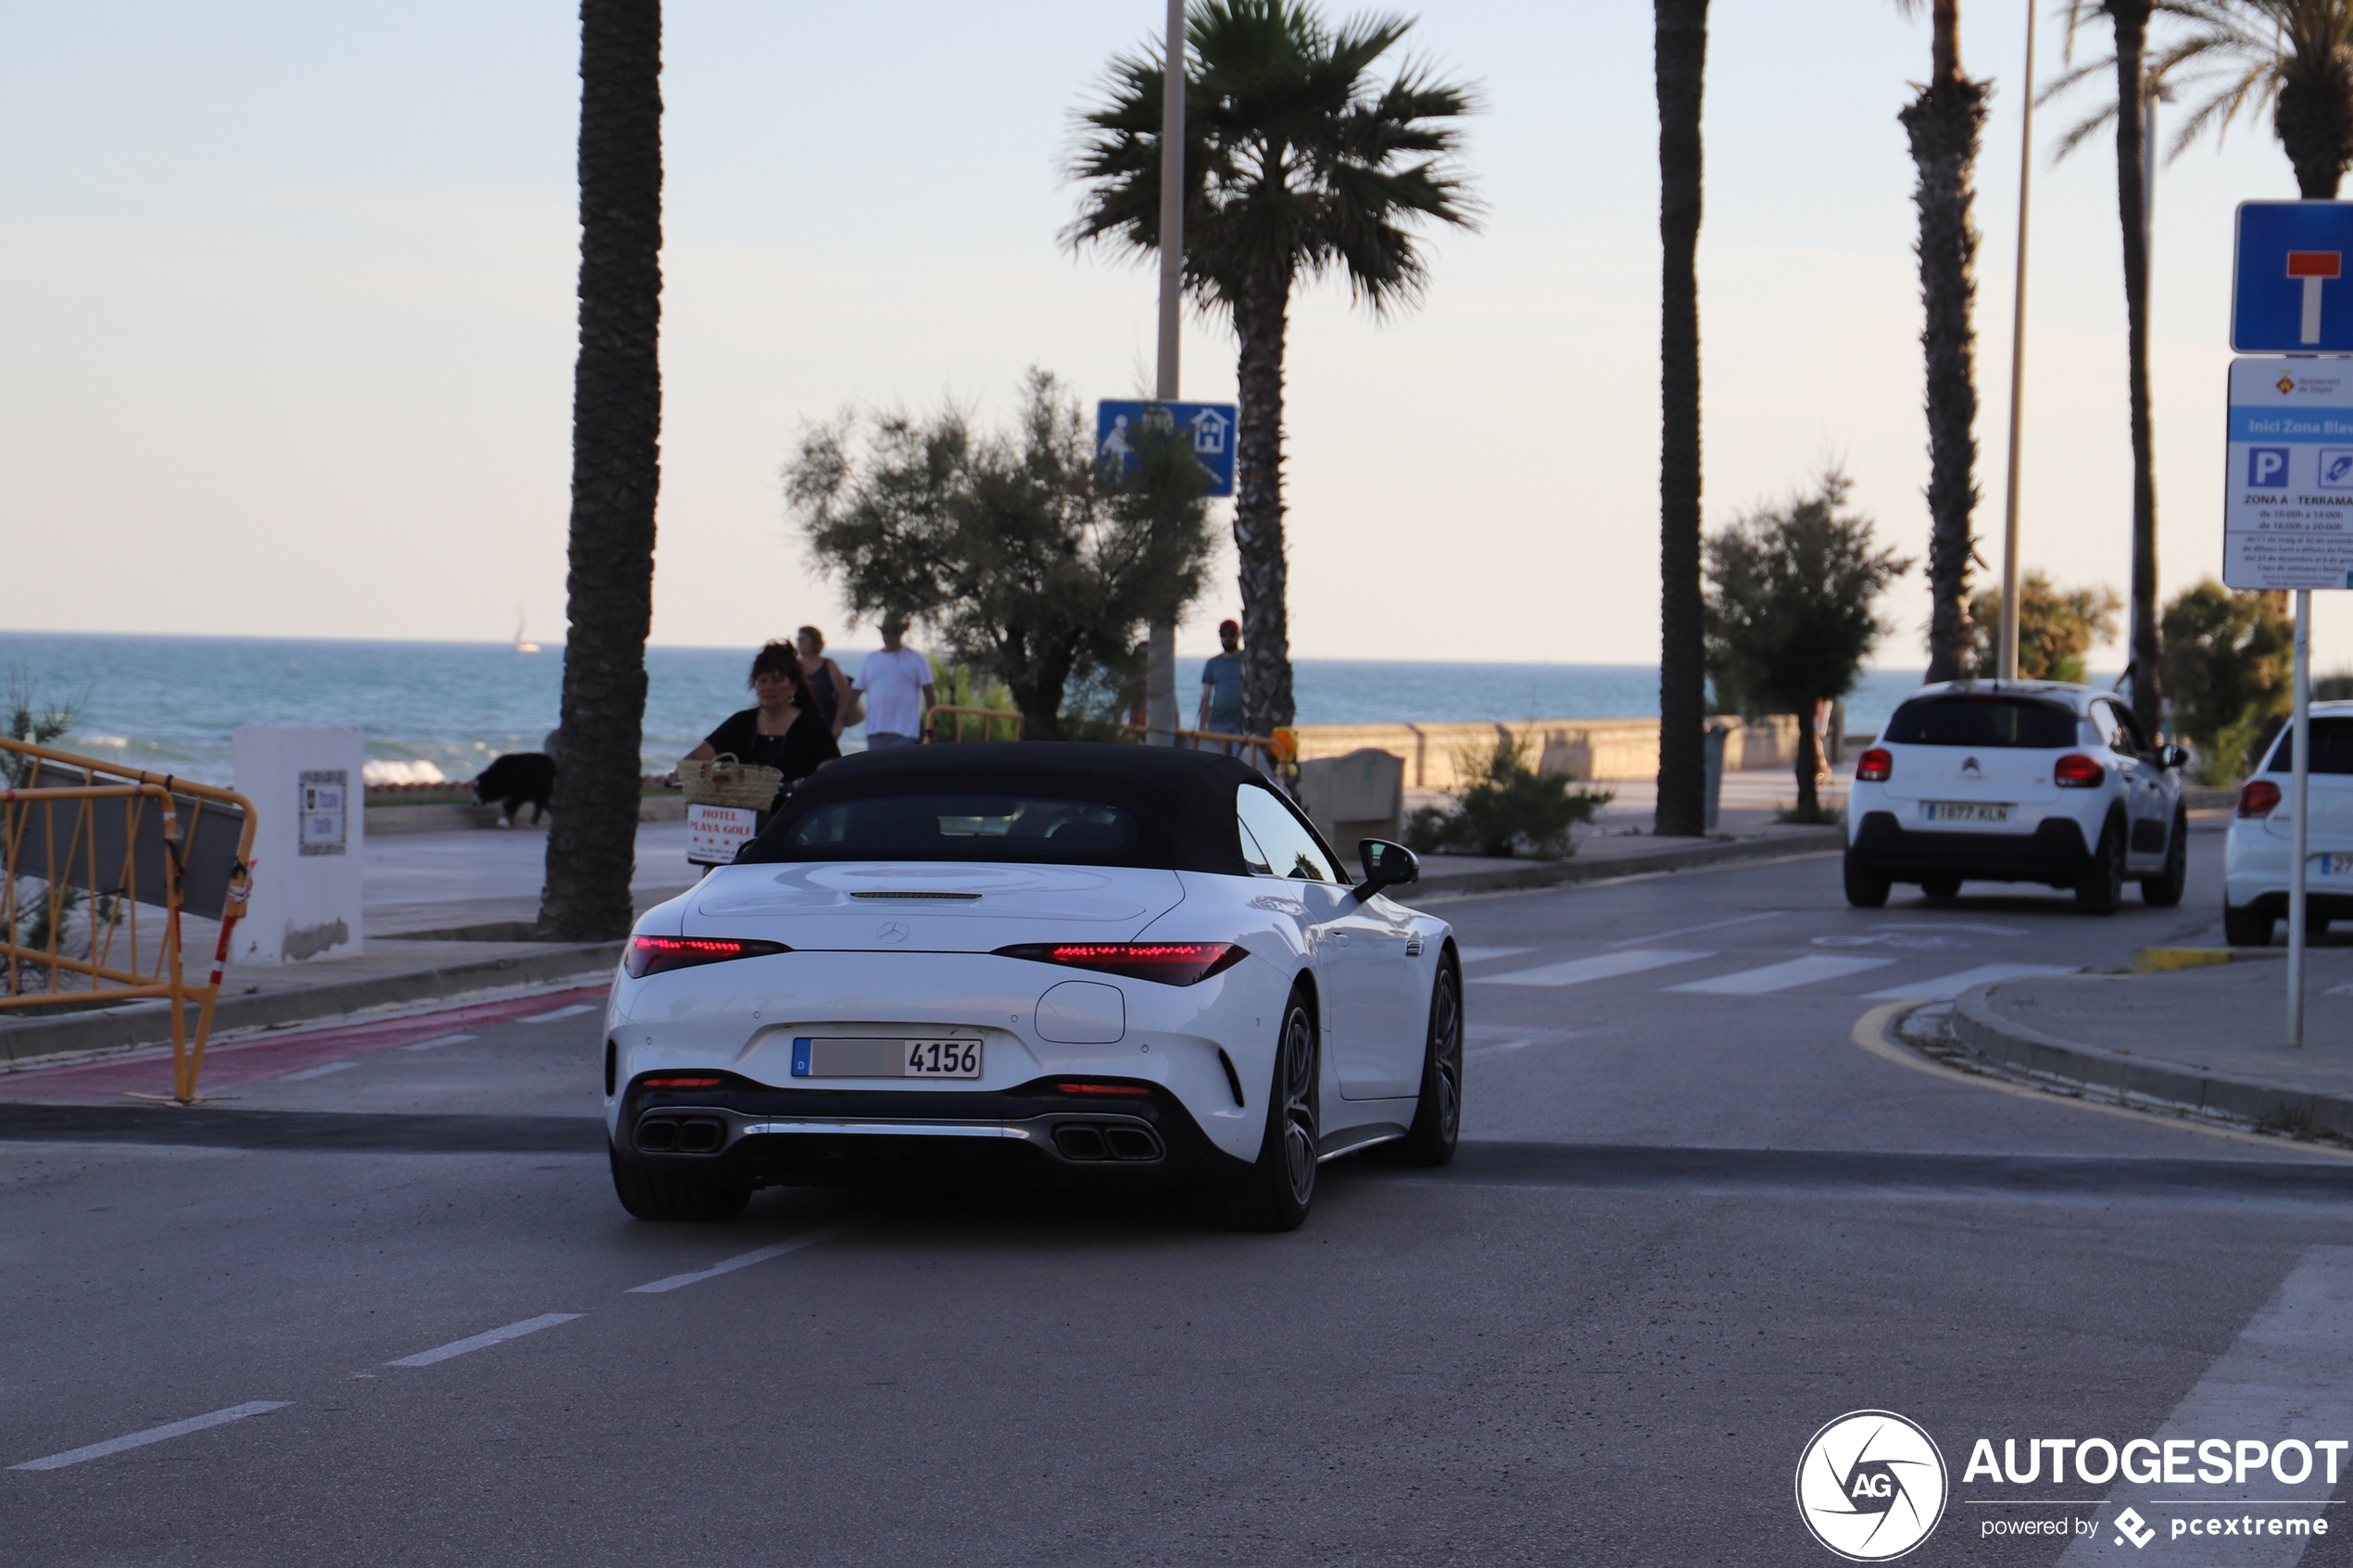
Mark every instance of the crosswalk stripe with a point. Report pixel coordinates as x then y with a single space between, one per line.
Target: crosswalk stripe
1782 976
1481 955
1944 987
1601 966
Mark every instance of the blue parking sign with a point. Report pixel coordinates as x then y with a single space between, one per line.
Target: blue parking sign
2290 290
2267 468
1119 428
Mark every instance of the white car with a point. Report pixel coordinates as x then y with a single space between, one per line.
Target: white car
1116 964
2255 855
2020 781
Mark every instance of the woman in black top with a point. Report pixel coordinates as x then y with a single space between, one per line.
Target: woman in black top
787 730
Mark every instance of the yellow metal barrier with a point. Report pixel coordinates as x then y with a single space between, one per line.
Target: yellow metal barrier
986 715
84 845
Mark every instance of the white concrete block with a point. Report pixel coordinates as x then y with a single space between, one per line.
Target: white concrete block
308 800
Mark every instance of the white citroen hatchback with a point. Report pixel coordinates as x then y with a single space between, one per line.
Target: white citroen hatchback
2254 855
2023 780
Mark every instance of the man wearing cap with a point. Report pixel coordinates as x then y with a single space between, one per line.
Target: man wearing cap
898 687
1221 684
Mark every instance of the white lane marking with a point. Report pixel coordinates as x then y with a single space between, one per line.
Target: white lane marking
438 1041
572 1011
1955 925
482 1341
315 1071
1477 1052
2344 990
1944 987
1601 966
741 1261
1481 955
154 1434
1688 930
1782 976
2289 1374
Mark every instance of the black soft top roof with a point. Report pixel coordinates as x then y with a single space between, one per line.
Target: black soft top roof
1183 801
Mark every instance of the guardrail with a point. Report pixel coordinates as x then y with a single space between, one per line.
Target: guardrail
986 715
84 845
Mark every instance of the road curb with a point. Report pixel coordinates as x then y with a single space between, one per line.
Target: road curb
1552 873
2008 1043
149 1023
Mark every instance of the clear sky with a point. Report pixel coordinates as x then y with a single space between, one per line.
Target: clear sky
286 307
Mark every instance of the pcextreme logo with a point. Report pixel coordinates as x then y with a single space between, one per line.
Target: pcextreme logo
1872 1485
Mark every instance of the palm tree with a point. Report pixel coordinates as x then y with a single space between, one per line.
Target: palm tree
2294 56
2130 22
1300 163
616 470
1944 123
1680 60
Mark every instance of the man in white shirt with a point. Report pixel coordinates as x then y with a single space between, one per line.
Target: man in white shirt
898 686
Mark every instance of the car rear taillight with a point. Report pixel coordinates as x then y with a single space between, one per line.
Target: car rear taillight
1100 1089
677 1082
2076 771
2258 796
652 955
1170 963
1874 766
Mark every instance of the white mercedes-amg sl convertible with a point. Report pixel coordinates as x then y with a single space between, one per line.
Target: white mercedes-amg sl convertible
1105 963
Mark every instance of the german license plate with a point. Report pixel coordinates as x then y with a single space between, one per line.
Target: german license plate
1967 810
817 1056
2333 865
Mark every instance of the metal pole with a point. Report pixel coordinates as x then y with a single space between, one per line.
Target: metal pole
2006 661
1160 646
2299 827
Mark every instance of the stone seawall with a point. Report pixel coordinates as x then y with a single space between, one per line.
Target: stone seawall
1588 749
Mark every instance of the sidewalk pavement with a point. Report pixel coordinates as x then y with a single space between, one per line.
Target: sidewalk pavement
2210 1037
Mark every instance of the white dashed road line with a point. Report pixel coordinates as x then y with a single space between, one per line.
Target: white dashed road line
154 1434
315 1071
1601 966
483 1341
572 1011
741 1261
438 1041
1944 987
2287 1376
1782 976
1689 930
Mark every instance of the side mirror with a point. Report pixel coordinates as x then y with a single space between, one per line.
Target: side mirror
2172 757
1386 865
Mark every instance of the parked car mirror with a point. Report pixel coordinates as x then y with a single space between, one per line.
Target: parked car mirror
1386 865
2172 757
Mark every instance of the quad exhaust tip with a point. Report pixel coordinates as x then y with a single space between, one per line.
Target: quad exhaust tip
1089 1142
675 1134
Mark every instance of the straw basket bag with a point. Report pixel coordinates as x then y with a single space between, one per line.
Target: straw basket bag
722 781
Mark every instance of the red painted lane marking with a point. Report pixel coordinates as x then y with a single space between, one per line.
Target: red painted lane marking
230 1063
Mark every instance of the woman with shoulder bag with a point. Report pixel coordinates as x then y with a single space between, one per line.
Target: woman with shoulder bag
836 699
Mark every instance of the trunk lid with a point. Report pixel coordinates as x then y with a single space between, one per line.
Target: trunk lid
1959 772
880 906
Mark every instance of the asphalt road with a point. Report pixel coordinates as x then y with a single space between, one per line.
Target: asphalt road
1692 1221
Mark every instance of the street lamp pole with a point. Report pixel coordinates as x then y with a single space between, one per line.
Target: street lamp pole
1160 647
2006 659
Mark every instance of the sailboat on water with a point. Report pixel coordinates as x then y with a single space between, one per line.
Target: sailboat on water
523 642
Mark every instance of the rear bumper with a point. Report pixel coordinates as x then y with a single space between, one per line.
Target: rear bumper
2318 905
2055 852
750 1132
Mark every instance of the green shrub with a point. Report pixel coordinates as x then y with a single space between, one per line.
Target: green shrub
1503 805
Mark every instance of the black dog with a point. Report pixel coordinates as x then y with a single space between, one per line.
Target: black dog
515 780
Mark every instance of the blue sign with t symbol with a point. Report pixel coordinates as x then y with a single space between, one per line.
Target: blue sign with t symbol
2289 291
1120 428
2267 468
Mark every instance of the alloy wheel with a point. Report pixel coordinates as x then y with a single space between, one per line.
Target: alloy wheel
1298 1105
1446 1054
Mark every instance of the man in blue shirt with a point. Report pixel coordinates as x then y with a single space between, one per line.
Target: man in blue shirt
1221 684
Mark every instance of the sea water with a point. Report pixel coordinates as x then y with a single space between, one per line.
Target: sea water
170 704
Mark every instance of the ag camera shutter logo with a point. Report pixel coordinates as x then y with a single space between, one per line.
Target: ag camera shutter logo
1872 1485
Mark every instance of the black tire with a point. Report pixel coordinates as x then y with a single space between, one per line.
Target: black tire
1438 1115
2100 890
2164 890
1943 884
1867 885
1277 1191
2245 928
673 1195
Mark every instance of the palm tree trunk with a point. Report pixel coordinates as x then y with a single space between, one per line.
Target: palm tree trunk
2131 18
616 472
2314 120
1809 768
1262 318
1681 59
1943 123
